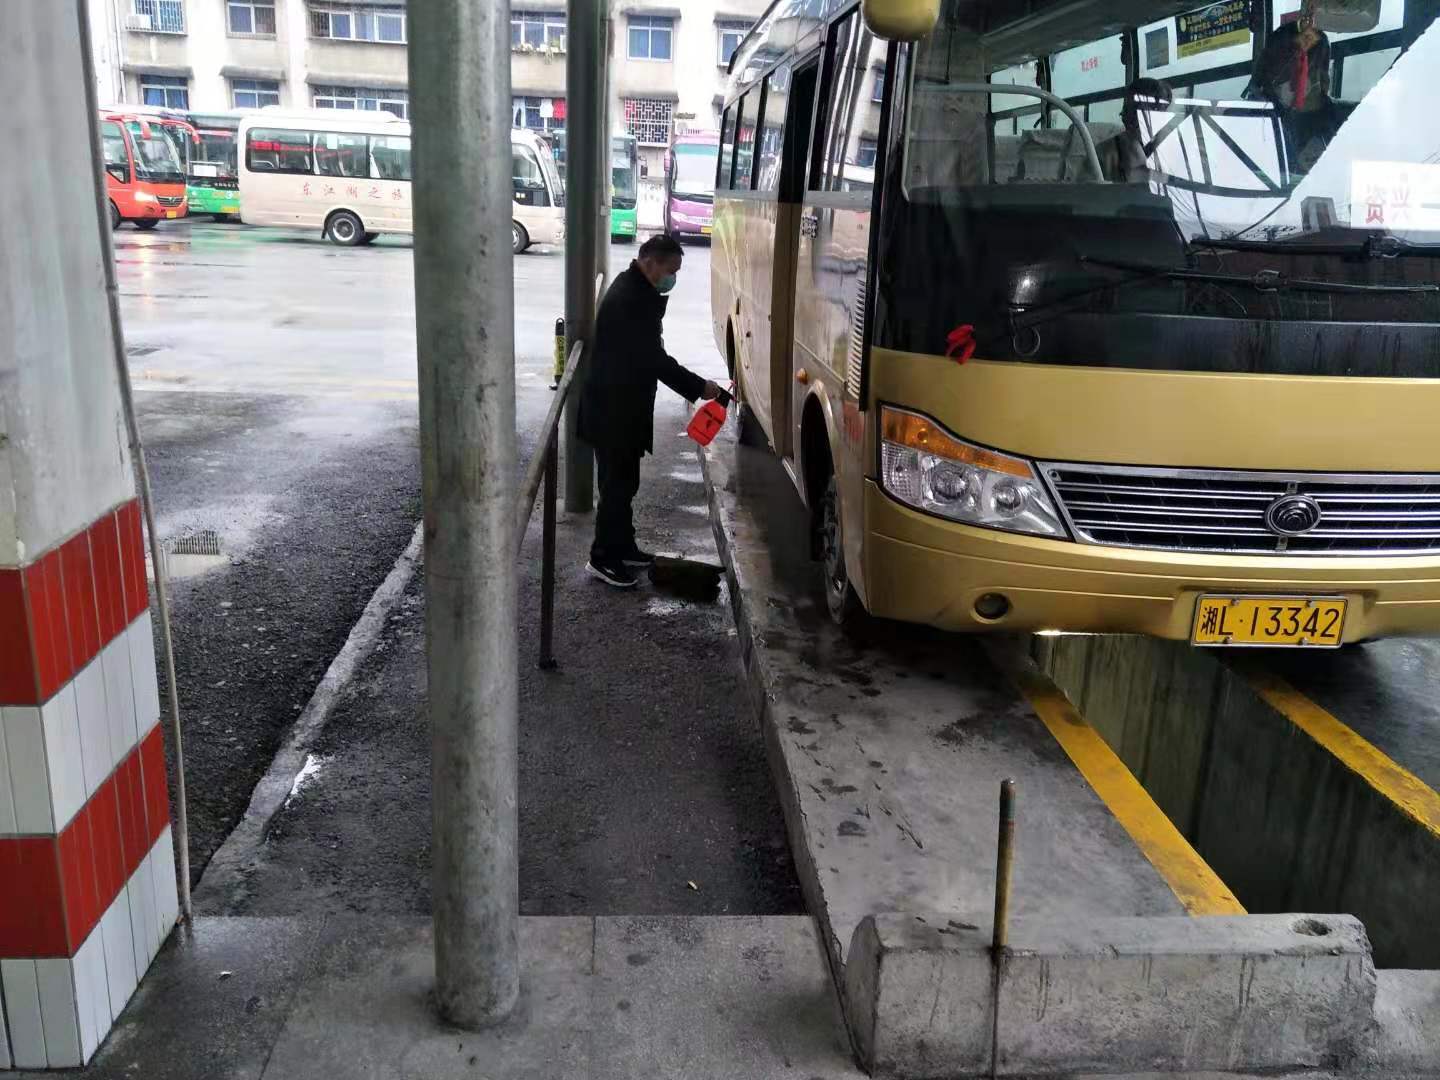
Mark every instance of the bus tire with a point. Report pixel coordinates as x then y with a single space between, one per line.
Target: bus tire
370 237
840 596
115 218
146 224
519 238
344 228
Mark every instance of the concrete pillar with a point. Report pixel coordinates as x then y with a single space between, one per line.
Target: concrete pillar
86 860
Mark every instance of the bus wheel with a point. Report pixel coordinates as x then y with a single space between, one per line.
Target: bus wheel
344 228
840 598
370 237
519 238
114 217
146 223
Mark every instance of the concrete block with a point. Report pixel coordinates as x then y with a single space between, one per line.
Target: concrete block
1253 992
1406 1037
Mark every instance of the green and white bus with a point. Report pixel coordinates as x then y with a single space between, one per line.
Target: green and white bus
624 181
213 182
624 188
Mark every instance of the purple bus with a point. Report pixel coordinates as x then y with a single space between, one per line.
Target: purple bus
690 183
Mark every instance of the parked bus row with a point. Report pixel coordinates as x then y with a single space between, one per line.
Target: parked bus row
346 174
1113 316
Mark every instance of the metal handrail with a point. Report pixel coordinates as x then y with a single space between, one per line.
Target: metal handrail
545 466
535 471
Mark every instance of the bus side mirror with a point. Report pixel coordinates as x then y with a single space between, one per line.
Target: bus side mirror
1347 16
902 20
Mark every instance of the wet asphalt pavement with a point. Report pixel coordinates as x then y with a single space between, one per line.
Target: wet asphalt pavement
275 377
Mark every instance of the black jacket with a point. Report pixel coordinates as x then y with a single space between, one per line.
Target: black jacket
617 402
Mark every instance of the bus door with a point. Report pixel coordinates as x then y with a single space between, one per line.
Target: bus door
832 251
782 170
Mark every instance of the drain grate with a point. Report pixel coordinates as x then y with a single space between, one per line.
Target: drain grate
203 542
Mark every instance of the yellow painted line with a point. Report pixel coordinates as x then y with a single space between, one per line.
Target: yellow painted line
1407 792
1189 876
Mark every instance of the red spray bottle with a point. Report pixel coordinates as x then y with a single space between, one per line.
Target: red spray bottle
709 419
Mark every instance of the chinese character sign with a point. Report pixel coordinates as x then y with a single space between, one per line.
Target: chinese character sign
1395 195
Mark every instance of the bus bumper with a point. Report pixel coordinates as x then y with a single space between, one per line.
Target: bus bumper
921 569
211 201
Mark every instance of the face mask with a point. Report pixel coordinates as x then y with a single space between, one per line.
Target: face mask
666 283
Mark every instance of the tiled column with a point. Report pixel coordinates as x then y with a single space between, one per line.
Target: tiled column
87 880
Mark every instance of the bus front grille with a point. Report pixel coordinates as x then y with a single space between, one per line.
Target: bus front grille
170 200
1235 512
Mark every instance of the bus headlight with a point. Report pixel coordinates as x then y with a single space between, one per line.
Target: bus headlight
926 467
144 196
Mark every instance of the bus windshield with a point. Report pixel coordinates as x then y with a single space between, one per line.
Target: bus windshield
156 158
1242 161
695 169
216 156
622 172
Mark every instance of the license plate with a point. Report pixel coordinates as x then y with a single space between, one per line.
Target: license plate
1313 622
172 213
704 230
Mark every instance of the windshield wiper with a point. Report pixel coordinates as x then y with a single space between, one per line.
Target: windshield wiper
1266 281
1372 247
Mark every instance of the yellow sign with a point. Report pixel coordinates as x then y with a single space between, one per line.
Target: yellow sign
1215 27
1290 621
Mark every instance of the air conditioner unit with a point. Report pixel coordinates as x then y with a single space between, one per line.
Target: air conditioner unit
138 22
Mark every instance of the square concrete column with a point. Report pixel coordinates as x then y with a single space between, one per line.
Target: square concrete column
86 859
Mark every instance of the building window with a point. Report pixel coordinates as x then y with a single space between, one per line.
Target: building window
731 34
169 91
877 91
358 24
254 93
865 152
651 37
251 17
649 120
365 100
537 113
164 16
537 30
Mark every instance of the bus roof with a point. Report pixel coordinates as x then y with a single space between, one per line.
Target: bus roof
341 120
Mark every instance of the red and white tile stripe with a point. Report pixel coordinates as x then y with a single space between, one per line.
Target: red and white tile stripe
85 842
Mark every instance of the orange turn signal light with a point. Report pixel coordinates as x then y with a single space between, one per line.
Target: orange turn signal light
921 433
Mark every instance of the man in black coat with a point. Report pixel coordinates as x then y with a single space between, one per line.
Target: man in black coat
617 403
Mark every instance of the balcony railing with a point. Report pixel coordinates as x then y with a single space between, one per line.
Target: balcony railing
157 16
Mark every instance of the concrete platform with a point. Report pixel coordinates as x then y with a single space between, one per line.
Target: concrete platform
602 998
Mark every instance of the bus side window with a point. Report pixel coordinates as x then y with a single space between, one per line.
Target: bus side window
772 129
390 157
268 150
745 140
847 85
727 148
340 155
117 159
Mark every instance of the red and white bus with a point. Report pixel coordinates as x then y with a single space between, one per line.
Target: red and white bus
144 176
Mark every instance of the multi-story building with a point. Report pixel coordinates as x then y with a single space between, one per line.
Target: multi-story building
667 66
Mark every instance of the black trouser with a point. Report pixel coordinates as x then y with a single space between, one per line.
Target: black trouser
619 477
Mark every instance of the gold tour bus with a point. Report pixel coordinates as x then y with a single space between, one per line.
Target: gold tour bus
1096 315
